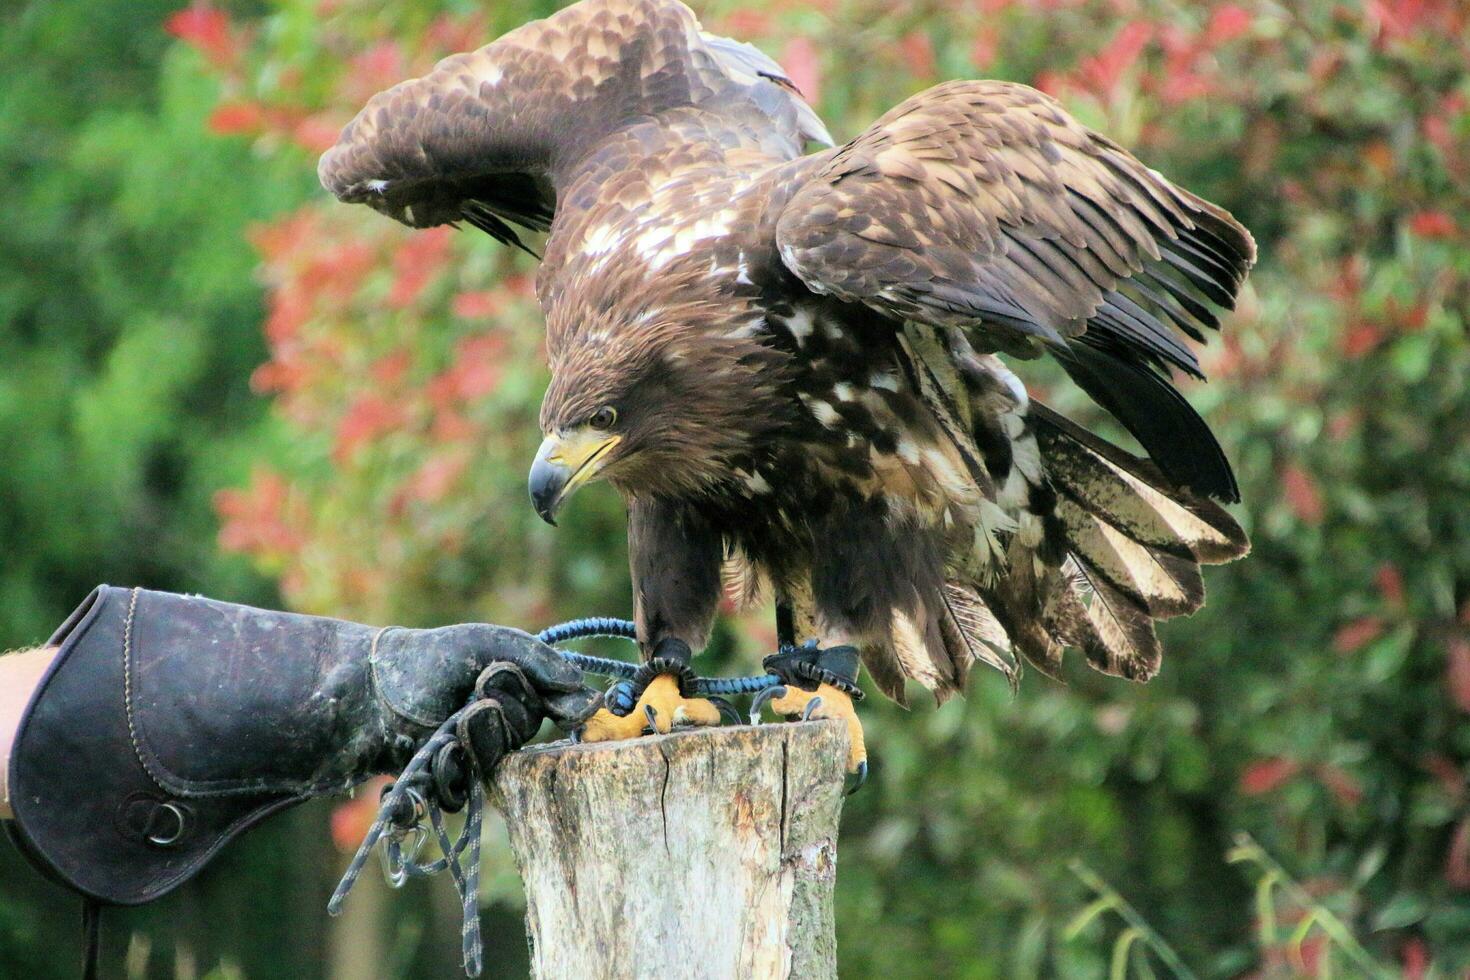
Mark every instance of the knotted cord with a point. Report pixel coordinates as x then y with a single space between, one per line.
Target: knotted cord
411 797
401 812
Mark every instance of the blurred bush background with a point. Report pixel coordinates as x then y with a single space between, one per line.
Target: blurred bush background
213 378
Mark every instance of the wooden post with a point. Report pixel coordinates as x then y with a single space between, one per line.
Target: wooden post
705 853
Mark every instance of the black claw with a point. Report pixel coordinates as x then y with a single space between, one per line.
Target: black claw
727 710
759 701
811 706
651 713
855 781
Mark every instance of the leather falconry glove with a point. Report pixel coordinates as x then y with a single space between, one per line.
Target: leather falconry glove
168 724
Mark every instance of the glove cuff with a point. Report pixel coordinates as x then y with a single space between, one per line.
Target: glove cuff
167 725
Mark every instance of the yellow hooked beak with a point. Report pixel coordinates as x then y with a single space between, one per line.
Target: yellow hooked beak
564 463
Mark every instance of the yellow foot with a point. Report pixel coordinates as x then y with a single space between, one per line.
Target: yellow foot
660 706
834 704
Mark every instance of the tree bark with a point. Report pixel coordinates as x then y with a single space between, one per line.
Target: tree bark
704 853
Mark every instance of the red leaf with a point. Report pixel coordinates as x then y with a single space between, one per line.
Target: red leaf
1227 23
1457 672
1104 70
289 311
1181 85
451 425
390 369
1432 224
368 418
234 118
799 58
984 47
1344 423
259 519
436 477
918 53
1052 83
317 133
1309 952
1399 19
478 305
1360 338
1414 959
1457 859
477 369
336 270
1346 789
377 68
1446 772
1357 634
1390 583
351 820
1265 775
1302 494
277 239
416 263
746 23
206 29
286 374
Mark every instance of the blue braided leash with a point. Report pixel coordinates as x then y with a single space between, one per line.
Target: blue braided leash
624 629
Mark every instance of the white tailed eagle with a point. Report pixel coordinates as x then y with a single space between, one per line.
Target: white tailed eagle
788 363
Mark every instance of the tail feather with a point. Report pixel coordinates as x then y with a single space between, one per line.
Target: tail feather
915 640
1013 606
1114 633
972 633
886 672
1133 542
1164 584
1122 641
1128 493
1156 414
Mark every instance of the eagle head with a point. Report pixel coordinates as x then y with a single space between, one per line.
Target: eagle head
659 403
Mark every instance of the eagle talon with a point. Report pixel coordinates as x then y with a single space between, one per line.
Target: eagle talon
827 702
811 706
856 780
728 712
662 707
759 701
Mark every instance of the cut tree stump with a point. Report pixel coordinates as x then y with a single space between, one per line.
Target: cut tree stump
704 853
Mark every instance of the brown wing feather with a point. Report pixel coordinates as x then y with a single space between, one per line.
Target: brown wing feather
485 136
984 206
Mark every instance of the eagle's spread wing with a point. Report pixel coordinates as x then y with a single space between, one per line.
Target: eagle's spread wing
485 136
984 206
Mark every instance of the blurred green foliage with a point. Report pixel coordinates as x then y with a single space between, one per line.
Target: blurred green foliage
163 208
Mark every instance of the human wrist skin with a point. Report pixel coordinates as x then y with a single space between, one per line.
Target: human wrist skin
20 672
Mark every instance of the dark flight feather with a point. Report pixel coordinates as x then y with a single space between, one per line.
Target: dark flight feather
1155 414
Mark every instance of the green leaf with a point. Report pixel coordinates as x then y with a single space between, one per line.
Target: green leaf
1404 909
1266 908
1084 918
1118 969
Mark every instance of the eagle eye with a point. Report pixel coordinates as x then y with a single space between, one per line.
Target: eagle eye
603 418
